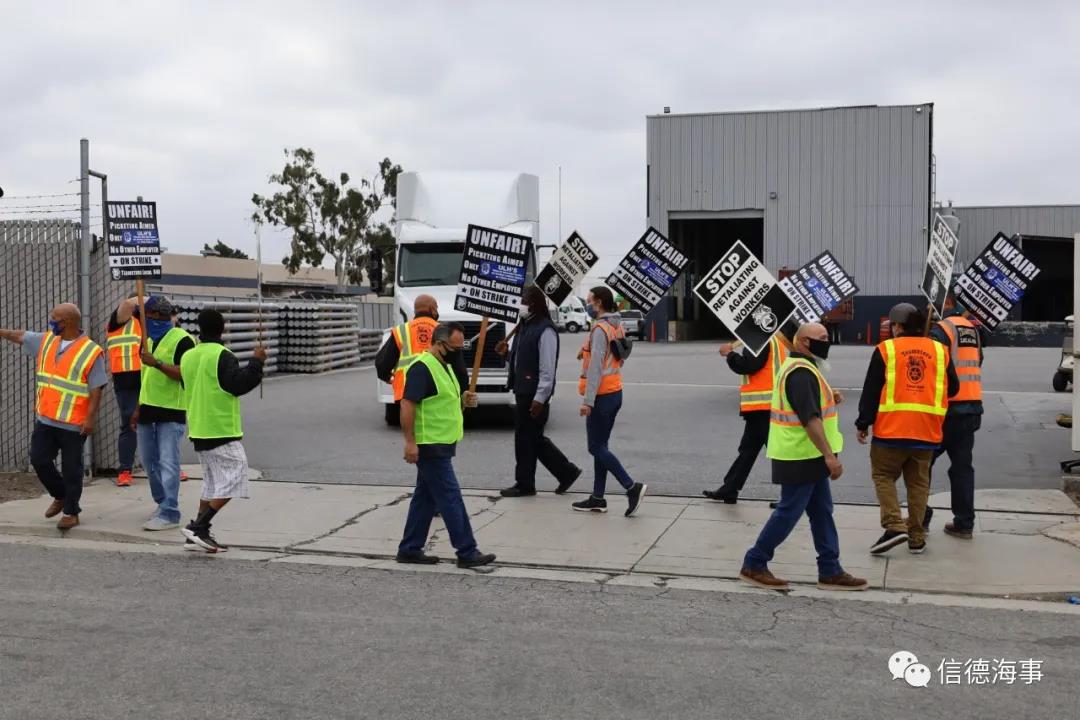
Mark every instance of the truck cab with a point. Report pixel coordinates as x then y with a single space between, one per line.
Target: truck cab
432 217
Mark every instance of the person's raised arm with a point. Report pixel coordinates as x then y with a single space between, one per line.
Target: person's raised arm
15 336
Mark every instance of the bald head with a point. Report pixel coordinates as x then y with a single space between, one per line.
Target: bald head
426 306
69 317
808 332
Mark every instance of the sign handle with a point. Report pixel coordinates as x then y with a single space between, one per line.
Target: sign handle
140 292
479 354
929 315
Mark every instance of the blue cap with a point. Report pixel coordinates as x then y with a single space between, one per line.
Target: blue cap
158 304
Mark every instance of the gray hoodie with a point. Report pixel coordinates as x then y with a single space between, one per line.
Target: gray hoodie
599 348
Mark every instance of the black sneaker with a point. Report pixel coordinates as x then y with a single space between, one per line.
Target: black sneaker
926 517
199 536
190 546
591 504
635 495
888 541
221 547
476 560
565 484
721 496
916 548
517 491
419 558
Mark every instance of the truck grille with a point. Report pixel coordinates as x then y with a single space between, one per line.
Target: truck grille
490 359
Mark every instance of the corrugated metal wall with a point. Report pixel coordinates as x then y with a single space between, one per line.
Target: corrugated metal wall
979 225
855 181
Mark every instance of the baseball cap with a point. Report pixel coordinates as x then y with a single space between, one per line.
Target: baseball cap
901 312
159 304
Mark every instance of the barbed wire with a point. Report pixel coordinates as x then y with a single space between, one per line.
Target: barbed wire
17 211
36 197
5 206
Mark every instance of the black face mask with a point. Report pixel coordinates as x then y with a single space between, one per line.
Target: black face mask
450 356
819 348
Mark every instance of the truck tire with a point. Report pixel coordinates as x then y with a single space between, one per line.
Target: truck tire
572 327
393 414
1060 382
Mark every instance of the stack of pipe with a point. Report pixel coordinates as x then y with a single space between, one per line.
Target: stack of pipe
245 327
320 336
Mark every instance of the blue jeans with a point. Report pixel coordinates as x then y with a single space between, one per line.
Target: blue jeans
159 447
127 401
437 489
598 431
815 499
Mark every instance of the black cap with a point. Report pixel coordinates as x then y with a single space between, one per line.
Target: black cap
902 312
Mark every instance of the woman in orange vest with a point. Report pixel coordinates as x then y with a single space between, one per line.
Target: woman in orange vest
601 389
122 345
755 394
70 374
905 397
958 333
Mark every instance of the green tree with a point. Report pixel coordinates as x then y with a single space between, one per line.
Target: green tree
223 250
327 217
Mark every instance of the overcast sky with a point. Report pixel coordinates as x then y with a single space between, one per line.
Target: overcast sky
191 103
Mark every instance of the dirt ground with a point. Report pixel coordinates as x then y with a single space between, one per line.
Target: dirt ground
19 486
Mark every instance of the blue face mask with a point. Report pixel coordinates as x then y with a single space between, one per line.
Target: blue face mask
157 329
54 325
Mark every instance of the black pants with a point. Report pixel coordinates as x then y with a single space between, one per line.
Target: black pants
959 442
45 443
755 435
530 445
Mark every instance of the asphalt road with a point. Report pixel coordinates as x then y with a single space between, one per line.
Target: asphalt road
109 636
678 430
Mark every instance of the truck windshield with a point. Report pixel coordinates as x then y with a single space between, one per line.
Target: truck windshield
430 264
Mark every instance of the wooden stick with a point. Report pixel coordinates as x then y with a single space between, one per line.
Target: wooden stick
139 291
929 315
479 355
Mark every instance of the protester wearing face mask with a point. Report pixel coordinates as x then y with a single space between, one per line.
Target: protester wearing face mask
122 345
804 444
432 425
905 399
161 419
534 362
70 370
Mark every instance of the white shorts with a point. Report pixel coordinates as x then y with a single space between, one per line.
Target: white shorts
225 472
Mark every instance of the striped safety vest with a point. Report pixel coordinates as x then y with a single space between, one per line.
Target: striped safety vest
755 393
413 339
611 374
63 388
965 347
787 436
914 400
122 346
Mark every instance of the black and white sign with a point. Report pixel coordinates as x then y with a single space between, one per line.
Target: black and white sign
939 264
493 273
996 281
746 297
818 287
647 271
131 231
566 268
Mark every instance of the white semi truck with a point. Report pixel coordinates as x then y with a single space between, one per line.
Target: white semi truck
434 210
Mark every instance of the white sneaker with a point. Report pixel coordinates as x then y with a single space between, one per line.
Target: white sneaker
157 523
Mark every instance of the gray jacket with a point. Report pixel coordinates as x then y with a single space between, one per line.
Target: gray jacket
598 343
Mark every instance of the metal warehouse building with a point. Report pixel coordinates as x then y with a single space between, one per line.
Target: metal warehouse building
858 181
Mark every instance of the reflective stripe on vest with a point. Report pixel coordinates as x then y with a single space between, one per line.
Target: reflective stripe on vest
412 339
755 393
122 346
63 390
212 412
611 369
965 359
158 389
787 437
439 420
913 402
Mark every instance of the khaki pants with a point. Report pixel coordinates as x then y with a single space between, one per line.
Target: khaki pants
886 465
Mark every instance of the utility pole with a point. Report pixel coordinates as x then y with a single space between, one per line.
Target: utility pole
84 268
559 239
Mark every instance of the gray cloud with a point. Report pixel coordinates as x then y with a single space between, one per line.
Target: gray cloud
191 104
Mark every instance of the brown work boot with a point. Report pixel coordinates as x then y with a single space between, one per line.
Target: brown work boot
67 522
951 529
763 579
843 581
54 508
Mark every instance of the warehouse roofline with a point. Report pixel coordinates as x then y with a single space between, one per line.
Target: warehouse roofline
787 110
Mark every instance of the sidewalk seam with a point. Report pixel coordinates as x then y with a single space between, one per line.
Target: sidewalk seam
658 538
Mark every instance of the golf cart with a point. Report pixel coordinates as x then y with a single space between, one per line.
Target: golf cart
1064 374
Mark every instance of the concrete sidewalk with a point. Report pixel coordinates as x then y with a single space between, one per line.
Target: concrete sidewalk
1026 544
